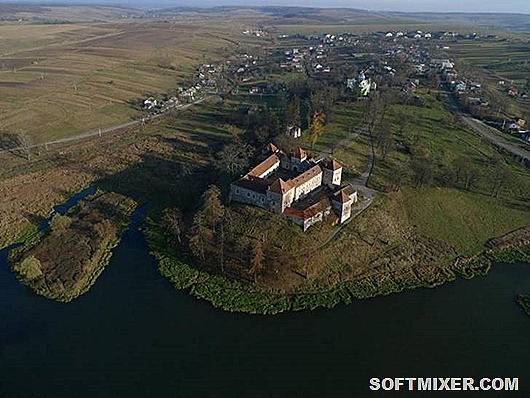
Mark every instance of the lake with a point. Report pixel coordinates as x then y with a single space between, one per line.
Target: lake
134 335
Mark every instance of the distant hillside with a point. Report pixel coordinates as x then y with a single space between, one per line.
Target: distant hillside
277 15
509 22
63 12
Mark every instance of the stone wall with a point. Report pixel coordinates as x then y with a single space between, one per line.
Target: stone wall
308 186
248 196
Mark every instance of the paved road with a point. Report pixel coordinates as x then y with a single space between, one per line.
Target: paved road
494 136
491 134
98 132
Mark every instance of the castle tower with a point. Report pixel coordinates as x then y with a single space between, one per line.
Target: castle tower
280 195
298 159
332 173
342 203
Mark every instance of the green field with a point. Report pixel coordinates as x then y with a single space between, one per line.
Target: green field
489 62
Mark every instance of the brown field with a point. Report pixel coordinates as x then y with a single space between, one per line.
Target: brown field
60 80
78 13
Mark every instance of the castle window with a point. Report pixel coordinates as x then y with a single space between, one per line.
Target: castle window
248 194
237 190
253 196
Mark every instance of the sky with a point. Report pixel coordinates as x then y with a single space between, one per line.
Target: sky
507 6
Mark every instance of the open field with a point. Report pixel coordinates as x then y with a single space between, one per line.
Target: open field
57 13
463 218
367 26
505 22
61 80
503 60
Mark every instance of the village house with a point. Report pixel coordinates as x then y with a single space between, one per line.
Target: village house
293 132
301 189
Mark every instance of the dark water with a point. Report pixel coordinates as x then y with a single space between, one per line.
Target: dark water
133 335
64 207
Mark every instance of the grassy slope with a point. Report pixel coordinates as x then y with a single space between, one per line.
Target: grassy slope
465 220
461 218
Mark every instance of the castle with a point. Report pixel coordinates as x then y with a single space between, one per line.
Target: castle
301 189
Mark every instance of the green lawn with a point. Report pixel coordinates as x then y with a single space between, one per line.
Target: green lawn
466 220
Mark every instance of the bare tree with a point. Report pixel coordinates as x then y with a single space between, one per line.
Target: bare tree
212 208
398 175
233 158
422 169
257 258
200 235
207 235
172 221
499 177
384 139
472 176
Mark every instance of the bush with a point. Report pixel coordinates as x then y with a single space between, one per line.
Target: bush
29 268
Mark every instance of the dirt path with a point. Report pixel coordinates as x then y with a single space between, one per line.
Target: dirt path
360 184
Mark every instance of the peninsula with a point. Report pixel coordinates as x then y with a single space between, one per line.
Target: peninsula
289 159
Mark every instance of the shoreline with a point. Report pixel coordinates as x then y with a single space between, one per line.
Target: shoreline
33 260
234 296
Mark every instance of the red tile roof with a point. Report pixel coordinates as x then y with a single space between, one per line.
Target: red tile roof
309 212
271 148
252 183
332 164
306 176
344 195
280 186
300 154
264 166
